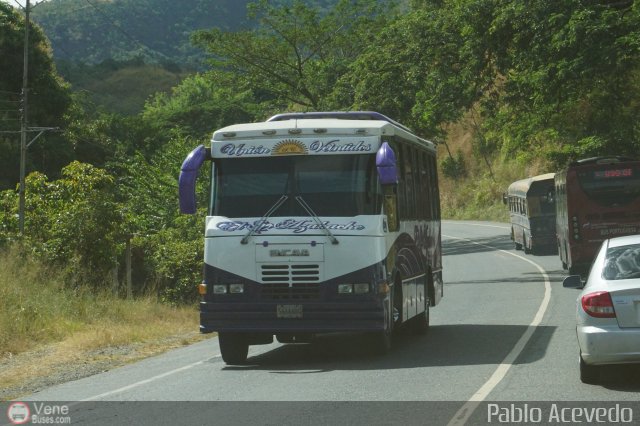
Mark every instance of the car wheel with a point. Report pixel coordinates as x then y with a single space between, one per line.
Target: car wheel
589 374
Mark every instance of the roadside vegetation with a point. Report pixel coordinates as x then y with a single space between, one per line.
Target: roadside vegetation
50 331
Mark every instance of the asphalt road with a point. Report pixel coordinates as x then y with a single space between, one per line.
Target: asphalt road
502 338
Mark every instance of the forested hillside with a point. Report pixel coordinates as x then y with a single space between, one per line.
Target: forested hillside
118 53
520 87
156 31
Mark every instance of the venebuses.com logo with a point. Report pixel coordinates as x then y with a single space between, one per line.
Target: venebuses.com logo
18 413
38 413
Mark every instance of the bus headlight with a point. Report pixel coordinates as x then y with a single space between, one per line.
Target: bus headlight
361 288
345 288
219 289
236 288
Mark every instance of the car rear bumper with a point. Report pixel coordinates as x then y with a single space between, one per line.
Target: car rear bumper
609 345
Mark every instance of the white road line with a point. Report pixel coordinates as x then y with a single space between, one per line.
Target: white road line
476 224
461 417
144 382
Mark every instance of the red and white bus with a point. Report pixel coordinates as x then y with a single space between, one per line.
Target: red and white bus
317 222
596 198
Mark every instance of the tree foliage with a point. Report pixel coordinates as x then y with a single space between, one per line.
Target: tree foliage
49 99
296 53
75 222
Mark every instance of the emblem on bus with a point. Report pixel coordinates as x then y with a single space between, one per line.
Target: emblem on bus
289 147
288 252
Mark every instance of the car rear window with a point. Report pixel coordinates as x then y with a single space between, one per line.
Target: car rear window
622 262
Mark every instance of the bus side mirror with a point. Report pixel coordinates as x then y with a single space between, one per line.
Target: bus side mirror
187 179
504 198
386 165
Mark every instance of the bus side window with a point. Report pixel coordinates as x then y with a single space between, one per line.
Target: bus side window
435 190
401 192
425 188
410 196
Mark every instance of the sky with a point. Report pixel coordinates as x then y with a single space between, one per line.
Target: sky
21 2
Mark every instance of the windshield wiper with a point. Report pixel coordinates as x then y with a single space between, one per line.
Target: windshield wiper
317 219
264 218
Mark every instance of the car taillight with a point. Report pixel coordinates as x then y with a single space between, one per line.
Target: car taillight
598 304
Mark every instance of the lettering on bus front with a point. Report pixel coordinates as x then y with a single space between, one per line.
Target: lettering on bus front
317 147
297 226
619 231
333 146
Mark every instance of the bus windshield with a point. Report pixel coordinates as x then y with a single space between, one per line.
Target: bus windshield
332 185
611 186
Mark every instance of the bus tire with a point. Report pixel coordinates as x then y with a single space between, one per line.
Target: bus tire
383 340
234 348
420 323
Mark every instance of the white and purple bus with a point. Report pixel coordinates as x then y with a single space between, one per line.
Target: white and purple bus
317 223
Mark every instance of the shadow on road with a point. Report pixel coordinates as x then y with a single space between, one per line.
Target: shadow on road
455 247
445 345
621 378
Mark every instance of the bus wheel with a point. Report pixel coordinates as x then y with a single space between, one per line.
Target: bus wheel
382 340
420 323
525 246
234 348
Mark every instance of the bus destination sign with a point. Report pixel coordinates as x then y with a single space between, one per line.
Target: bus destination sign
613 173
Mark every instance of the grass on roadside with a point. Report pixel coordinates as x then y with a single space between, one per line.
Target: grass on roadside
38 313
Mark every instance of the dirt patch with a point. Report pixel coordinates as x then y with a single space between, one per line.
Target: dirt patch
38 369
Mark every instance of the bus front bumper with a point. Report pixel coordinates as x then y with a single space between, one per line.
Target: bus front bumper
291 317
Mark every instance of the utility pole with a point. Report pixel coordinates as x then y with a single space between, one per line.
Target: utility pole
24 122
24 125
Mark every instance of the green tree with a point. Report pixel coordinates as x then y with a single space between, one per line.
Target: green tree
75 221
297 52
199 105
169 245
424 68
571 71
49 99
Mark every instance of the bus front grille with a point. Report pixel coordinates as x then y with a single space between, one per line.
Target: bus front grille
290 282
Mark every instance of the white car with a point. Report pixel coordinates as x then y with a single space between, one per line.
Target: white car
608 308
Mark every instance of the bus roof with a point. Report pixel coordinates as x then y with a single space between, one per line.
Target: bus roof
343 115
284 127
602 160
522 186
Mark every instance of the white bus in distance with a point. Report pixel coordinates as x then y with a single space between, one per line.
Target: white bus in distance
317 223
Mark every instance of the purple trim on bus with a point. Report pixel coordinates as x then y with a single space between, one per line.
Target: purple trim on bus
386 164
187 179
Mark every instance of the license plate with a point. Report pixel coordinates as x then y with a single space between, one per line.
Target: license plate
289 311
